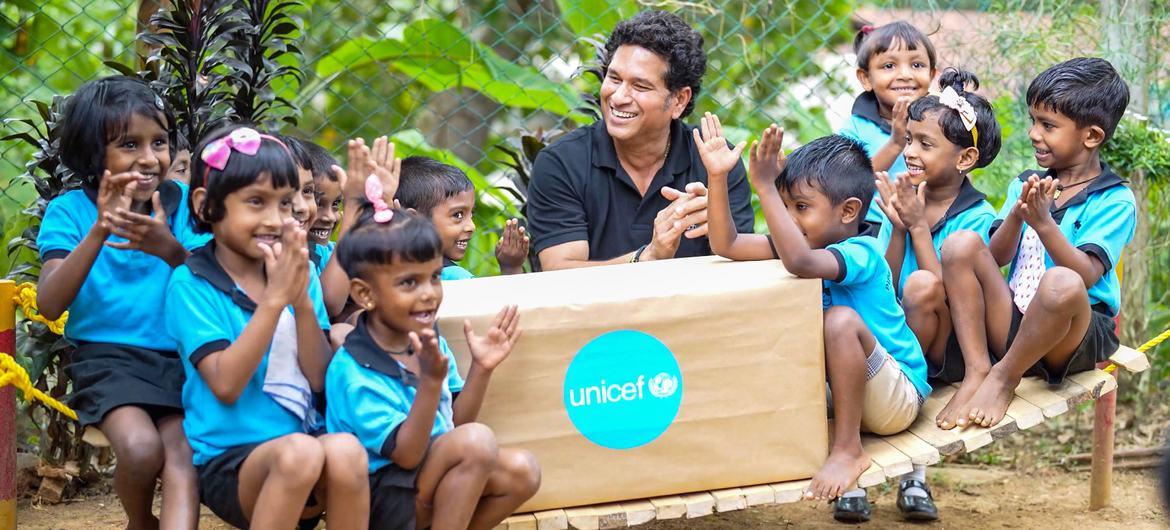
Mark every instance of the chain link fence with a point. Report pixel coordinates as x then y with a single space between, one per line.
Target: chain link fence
456 80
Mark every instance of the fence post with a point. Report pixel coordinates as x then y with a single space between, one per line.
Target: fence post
7 411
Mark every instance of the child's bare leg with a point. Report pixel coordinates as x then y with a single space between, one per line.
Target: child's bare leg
847 344
139 449
180 491
453 476
981 310
514 480
275 480
347 486
1051 330
925 302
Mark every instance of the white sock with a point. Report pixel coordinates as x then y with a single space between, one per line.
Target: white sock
919 473
859 492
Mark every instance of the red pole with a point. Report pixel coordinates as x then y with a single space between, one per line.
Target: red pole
7 411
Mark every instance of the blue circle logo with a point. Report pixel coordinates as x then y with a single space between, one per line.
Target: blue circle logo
623 389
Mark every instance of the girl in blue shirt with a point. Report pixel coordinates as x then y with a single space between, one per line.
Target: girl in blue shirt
106 250
251 325
895 64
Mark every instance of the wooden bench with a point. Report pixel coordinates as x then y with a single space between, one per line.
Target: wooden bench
923 443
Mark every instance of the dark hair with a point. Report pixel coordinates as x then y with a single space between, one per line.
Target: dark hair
99 113
952 124
871 41
296 147
181 143
425 182
836 165
406 237
669 37
320 161
241 171
1087 90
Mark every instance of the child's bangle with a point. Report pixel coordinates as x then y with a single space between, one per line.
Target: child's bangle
638 254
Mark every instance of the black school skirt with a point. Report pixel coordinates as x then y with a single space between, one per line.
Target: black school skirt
107 376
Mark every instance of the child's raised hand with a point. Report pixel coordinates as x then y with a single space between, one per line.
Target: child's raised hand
114 192
765 159
900 119
888 196
488 351
512 248
717 157
432 364
1036 207
353 186
286 264
148 233
386 167
910 204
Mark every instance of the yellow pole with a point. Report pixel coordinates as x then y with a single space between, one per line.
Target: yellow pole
7 411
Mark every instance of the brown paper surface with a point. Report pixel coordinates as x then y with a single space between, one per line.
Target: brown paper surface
748 340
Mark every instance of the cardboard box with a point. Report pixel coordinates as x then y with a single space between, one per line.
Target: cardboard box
592 391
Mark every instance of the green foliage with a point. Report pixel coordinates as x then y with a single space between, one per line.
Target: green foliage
267 54
1138 145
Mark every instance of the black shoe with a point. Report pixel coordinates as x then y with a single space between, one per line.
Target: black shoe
851 509
915 508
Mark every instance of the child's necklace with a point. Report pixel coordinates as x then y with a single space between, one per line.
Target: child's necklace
1061 187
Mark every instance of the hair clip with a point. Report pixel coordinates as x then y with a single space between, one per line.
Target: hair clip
382 211
867 29
951 99
244 140
158 102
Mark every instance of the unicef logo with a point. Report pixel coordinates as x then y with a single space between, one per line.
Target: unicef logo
623 389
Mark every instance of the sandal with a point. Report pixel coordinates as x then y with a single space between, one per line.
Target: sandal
914 507
851 509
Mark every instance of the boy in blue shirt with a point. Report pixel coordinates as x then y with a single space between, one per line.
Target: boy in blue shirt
444 194
1063 232
875 367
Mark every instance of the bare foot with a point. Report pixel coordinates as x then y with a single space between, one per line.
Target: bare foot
990 403
838 475
948 418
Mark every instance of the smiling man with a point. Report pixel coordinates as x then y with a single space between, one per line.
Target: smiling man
632 187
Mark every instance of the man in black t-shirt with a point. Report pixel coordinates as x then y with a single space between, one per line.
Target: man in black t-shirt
632 187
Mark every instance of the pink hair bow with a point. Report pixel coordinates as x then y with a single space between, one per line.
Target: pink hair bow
382 211
244 140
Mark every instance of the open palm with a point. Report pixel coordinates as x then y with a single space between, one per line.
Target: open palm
717 157
490 349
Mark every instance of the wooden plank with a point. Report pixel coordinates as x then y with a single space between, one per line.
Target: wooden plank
583 518
1026 414
729 500
612 515
1096 382
699 504
1130 359
894 463
947 442
920 452
791 491
672 507
872 476
524 521
759 495
95 437
1037 392
551 520
639 512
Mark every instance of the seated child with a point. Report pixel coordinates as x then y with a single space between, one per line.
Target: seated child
248 318
895 64
180 170
948 135
327 190
107 250
814 204
1062 231
443 194
395 385
305 202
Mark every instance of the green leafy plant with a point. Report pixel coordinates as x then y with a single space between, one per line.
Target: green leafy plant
266 53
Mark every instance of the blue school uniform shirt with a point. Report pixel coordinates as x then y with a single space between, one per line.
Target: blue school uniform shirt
868 128
864 284
969 211
452 271
319 255
205 313
122 298
369 394
1100 221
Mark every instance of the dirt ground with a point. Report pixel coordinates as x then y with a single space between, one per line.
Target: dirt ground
967 496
